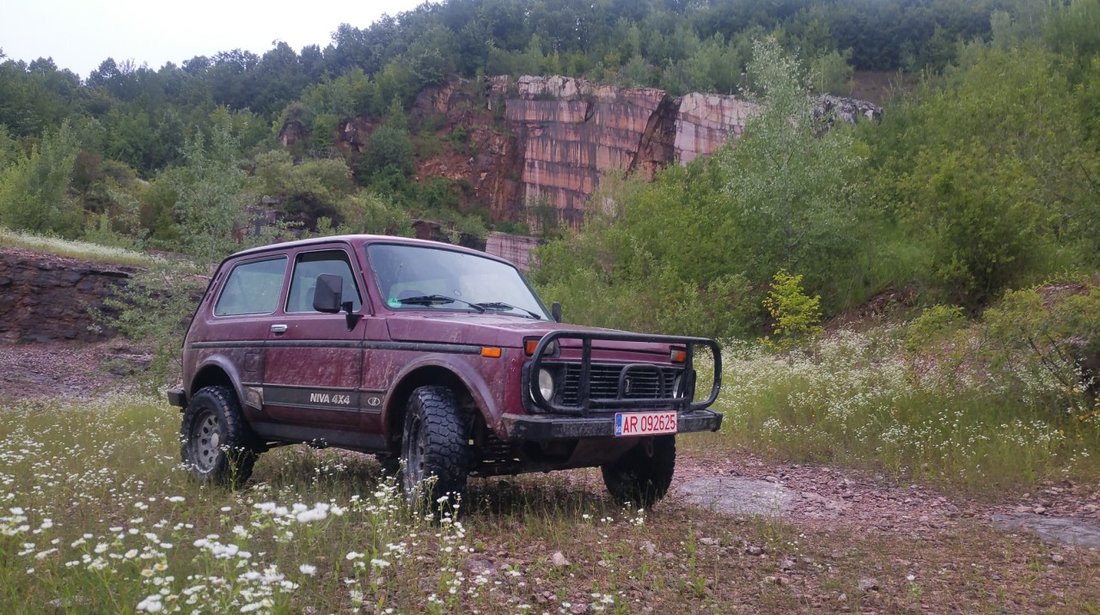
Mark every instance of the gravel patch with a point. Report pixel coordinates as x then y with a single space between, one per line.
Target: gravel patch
1067 530
737 496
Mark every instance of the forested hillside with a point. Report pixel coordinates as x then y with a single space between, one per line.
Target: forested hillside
981 176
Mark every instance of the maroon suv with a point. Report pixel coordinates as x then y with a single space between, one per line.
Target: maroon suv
437 356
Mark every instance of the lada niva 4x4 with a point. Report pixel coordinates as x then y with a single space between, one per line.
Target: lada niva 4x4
439 359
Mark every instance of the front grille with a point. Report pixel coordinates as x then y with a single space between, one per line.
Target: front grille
637 381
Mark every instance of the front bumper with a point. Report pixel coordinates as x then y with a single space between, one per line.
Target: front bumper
544 427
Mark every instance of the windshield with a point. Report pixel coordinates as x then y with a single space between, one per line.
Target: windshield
421 277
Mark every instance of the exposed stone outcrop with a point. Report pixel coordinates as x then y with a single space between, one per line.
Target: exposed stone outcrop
513 248
570 133
532 143
45 298
705 121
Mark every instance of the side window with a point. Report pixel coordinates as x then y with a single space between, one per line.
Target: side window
308 267
252 288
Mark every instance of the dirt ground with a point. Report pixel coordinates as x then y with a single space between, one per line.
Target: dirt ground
63 369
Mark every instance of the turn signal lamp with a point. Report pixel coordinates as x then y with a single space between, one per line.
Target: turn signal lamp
530 344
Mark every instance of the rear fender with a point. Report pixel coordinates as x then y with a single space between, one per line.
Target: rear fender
219 370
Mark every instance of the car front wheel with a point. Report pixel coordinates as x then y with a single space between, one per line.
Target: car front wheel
434 451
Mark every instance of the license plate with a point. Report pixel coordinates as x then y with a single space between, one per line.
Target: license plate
644 423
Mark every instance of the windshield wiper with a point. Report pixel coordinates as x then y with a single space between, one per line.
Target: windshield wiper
436 300
500 305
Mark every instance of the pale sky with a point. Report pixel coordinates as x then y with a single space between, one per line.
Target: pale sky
80 34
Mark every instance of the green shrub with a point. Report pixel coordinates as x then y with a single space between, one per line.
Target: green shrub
1050 333
796 317
154 310
934 325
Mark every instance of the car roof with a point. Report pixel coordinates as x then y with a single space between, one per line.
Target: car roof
363 240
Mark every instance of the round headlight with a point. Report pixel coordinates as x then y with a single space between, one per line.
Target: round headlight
546 384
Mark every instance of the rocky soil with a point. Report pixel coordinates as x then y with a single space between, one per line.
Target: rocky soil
65 369
822 497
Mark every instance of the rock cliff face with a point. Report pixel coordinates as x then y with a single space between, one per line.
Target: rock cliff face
567 134
570 133
44 298
538 145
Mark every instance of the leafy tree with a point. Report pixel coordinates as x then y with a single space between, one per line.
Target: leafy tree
37 97
1072 29
306 191
993 168
831 74
388 157
714 67
34 190
210 202
984 217
346 96
9 148
788 200
369 212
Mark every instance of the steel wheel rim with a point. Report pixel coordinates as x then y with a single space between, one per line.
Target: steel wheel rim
206 442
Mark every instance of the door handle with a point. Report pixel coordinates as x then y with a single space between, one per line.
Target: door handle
278 329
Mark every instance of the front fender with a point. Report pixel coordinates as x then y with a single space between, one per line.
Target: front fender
457 366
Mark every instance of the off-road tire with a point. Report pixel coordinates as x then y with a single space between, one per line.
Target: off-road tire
434 450
215 442
388 463
640 478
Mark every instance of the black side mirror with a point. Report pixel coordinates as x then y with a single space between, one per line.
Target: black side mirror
555 311
328 294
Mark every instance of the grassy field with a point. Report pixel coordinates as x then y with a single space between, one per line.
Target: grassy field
81 250
96 516
856 399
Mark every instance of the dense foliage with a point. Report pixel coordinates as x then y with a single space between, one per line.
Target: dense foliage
108 157
980 178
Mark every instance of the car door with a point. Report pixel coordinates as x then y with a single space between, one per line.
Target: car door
235 323
313 360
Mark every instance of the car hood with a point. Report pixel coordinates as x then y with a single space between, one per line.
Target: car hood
496 330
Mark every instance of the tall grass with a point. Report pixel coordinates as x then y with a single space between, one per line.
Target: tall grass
96 515
75 249
854 399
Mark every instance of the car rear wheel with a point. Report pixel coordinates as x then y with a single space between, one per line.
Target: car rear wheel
643 474
214 439
434 451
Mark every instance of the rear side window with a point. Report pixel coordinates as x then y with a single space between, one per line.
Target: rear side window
252 288
308 267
